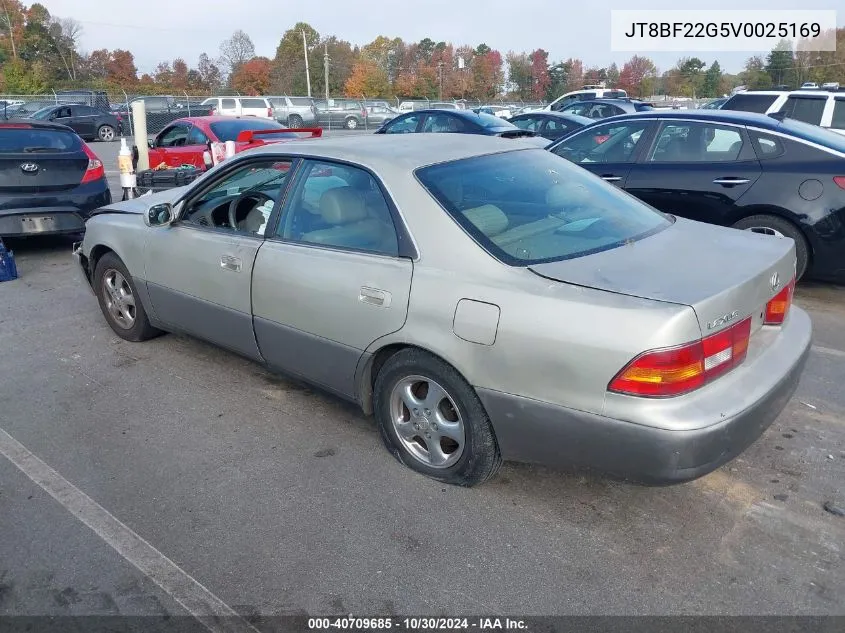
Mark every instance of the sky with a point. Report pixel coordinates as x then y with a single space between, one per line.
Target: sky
159 30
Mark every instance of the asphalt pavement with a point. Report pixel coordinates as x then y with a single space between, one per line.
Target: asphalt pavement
275 498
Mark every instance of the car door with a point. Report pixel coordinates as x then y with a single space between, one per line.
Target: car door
333 278
171 145
64 116
609 150
83 120
696 170
198 269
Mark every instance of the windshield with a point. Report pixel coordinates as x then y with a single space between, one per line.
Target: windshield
229 130
19 140
815 134
42 114
537 207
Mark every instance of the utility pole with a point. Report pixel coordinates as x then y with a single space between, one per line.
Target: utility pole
307 71
326 70
440 68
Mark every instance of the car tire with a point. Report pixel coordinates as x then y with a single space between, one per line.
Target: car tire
444 434
106 133
120 302
351 123
778 227
294 121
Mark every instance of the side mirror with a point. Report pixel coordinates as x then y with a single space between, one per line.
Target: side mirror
206 159
151 143
160 215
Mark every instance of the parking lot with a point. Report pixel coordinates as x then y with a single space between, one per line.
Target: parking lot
277 499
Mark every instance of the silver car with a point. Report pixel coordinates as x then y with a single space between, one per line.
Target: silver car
483 298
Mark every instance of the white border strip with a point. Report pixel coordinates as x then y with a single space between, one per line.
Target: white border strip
197 600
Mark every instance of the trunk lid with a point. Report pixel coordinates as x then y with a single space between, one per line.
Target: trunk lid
41 172
724 275
40 158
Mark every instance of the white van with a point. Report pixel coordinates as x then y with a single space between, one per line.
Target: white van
584 95
241 106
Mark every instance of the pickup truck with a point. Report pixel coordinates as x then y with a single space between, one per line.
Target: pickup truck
164 109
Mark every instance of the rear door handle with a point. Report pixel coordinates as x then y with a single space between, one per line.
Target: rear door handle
731 181
228 262
374 296
611 178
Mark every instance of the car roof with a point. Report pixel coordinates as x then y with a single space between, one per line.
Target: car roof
737 117
383 153
35 124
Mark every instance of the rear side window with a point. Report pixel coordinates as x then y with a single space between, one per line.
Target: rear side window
838 121
535 207
253 103
353 106
300 101
765 145
750 103
229 103
35 141
806 109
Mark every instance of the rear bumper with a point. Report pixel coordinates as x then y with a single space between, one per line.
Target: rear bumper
56 215
533 431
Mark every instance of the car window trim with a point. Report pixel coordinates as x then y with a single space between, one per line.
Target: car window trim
191 195
407 245
741 129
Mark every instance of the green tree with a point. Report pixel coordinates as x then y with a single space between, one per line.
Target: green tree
690 69
612 75
519 74
23 78
287 73
710 87
755 77
780 64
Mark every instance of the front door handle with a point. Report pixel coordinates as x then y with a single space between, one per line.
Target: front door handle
374 296
228 262
731 181
611 178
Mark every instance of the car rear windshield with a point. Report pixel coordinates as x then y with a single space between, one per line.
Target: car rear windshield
490 121
537 207
14 140
229 130
814 134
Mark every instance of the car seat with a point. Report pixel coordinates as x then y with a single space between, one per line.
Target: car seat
351 223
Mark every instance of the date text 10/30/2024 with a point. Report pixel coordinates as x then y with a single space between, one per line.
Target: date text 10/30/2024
416 624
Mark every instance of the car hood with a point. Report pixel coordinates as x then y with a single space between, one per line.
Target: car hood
143 202
712 269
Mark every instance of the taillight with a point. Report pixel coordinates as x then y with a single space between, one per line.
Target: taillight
778 307
95 169
839 180
270 112
671 372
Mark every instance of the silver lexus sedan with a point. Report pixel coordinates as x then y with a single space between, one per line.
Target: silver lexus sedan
483 298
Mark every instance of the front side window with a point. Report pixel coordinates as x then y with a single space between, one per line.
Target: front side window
404 125
174 136
697 142
607 143
534 207
339 206
527 123
243 199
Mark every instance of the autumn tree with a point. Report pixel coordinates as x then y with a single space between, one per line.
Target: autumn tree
367 80
342 57
179 80
209 73
252 77
575 77
540 79
487 73
638 76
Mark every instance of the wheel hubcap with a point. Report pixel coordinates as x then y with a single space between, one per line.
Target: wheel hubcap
106 134
120 302
427 421
765 230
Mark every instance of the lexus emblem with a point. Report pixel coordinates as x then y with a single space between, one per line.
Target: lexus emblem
775 281
29 168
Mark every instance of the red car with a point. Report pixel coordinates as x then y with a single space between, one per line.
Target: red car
184 141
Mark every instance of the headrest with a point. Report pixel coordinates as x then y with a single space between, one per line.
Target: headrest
488 219
342 205
569 194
